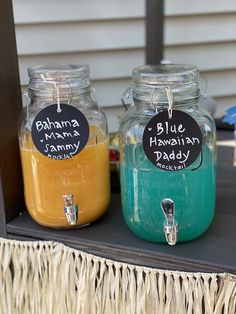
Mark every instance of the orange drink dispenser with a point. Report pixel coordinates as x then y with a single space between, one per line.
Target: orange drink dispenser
64 148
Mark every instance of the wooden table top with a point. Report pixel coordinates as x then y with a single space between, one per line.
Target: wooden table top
214 251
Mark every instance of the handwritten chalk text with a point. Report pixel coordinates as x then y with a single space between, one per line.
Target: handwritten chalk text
48 124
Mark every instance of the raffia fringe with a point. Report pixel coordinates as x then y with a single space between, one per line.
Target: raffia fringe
50 278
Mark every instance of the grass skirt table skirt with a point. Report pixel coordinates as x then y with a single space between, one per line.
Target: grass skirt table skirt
50 278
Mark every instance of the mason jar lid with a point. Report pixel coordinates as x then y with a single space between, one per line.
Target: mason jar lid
165 74
67 77
153 79
59 71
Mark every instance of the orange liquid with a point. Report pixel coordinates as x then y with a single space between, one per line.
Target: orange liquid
85 175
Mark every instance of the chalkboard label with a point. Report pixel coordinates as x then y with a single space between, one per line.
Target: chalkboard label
172 144
60 135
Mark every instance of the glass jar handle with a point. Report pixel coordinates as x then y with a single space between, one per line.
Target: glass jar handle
203 90
93 97
136 163
127 98
26 102
26 98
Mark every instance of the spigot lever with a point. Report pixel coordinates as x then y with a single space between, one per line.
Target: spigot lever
70 209
170 225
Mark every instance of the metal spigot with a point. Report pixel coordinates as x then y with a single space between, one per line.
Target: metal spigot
71 210
170 226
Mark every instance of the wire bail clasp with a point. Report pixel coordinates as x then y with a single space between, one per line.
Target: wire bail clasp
170 101
154 99
56 86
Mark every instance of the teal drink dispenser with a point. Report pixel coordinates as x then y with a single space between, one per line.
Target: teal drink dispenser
167 145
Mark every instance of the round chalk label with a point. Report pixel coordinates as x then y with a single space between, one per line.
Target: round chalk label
60 135
172 143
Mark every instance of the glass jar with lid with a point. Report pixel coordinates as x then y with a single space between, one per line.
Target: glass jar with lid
167 146
63 141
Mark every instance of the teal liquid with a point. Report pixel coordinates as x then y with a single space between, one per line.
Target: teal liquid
144 186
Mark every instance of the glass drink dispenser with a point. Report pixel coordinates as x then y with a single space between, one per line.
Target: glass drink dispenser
64 148
167 145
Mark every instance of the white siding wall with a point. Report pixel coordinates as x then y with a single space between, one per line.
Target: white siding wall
203 33
109 36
